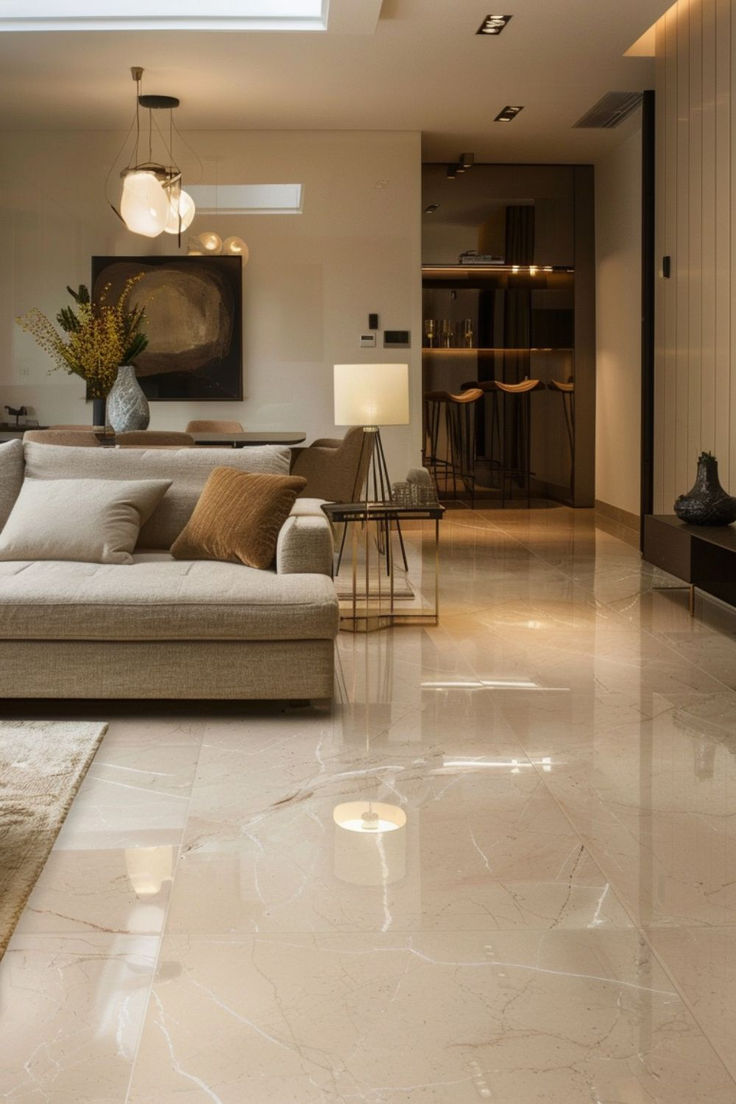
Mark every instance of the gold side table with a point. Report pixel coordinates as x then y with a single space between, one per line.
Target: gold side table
374 526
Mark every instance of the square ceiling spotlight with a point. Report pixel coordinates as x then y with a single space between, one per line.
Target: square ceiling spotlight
493 24
508 113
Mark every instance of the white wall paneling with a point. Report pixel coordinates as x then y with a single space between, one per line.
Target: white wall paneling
695 330
618 180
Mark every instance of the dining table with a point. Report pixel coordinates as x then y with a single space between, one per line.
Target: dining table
250 437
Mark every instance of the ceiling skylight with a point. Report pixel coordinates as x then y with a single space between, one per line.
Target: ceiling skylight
88 15
247 199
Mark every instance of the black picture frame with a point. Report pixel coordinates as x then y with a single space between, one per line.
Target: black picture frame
194 323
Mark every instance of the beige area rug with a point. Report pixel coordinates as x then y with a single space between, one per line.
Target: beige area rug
42 764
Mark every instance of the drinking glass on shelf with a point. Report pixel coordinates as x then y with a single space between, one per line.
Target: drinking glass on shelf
446 333
468 333
429 332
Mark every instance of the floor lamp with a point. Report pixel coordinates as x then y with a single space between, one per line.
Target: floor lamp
372 395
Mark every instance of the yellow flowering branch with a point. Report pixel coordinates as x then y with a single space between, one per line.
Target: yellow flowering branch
95 339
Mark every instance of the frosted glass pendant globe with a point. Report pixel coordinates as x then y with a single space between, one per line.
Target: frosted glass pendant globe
237 247
211 242
144 204
181 213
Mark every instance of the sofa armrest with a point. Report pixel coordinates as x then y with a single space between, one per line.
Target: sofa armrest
305 545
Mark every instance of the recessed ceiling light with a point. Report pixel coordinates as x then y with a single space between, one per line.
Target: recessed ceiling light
493 24
509 112
431 208
467 160
451 172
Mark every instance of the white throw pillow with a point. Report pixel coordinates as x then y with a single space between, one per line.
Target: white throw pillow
89 520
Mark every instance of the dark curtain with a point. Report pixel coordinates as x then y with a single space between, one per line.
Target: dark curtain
519 235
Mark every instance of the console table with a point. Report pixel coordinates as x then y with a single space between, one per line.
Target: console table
703 556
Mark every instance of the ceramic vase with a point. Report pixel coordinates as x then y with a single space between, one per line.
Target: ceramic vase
127 406
706 503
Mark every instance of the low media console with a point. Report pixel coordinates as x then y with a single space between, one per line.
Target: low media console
704 556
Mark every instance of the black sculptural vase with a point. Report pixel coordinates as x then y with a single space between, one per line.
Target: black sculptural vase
706 503
99 407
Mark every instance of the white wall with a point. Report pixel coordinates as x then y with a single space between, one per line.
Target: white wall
695 391
310 283
618 336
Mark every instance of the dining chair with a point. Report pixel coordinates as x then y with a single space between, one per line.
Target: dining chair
204 425
84 437
335 468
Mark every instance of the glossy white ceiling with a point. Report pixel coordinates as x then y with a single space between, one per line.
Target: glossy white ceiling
419 66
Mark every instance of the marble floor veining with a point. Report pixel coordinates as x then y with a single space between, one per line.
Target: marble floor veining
552 920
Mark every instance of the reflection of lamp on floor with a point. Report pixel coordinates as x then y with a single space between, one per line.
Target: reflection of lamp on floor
148 868
372 395
370 842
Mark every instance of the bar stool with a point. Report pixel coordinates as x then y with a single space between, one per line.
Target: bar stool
566 391
456 415
509 450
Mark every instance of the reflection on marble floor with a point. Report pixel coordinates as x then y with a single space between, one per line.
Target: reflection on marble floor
550 919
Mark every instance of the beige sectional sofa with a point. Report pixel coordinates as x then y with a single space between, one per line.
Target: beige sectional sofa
160 627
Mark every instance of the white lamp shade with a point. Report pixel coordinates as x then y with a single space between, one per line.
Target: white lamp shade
144 204
181 213
371 394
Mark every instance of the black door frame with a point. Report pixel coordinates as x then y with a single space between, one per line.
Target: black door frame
647 309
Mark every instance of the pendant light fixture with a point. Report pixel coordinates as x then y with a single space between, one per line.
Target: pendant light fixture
153 201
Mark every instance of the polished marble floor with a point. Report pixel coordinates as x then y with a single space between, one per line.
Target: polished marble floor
552 920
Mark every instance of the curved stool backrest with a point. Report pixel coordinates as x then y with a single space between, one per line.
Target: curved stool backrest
454 457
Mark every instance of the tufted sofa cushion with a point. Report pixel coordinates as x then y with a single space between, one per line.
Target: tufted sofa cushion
159 598
187 468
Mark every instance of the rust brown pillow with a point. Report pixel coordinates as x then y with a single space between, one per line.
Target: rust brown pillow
238 517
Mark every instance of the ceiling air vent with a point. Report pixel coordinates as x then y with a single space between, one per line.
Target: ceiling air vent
610 110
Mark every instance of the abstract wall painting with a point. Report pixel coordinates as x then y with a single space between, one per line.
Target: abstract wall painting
194 311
